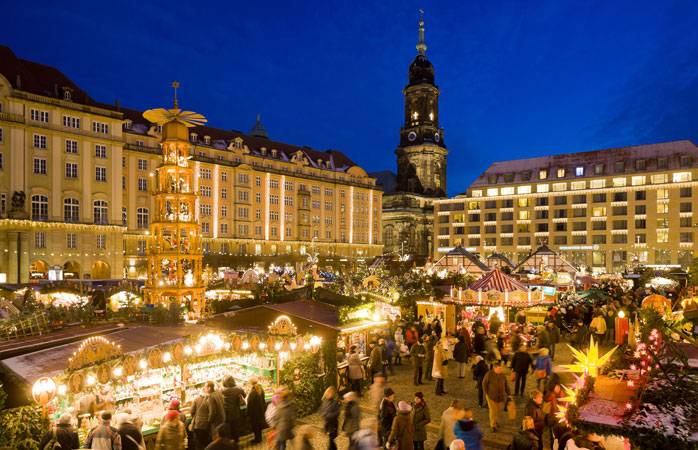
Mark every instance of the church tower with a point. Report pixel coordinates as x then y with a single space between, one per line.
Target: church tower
421 155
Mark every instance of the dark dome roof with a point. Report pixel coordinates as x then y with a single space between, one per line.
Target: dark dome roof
421 71
258 130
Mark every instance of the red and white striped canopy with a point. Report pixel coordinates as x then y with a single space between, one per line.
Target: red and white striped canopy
497 280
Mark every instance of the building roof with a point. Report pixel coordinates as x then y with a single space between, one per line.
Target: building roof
385 178
588 161
495 257
460 257
39 79
544 256
258 130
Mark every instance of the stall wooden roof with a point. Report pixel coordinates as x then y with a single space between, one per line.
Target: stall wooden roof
498 281
53 361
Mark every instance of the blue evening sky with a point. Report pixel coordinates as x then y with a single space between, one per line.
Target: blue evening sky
518 78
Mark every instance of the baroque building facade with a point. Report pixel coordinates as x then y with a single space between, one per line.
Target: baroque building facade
421 164
607 210
77 188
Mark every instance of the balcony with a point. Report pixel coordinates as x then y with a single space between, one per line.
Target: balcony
7 117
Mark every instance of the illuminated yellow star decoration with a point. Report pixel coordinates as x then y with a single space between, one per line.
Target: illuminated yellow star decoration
571 397
590 362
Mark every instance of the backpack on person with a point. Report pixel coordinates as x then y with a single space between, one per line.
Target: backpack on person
53 444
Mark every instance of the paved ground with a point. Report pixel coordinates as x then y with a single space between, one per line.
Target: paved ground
462 389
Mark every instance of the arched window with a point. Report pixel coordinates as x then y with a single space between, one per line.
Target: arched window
67 95
71 210
124 216
39 207
142 218
101 212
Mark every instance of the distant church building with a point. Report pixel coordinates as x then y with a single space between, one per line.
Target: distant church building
408 200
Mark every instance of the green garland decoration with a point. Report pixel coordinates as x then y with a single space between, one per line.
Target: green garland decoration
22 428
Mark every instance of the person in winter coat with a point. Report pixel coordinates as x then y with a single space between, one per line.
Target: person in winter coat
386 414
581 339
429 344
526 439
440 370
598 327
64 432
469 431
450 416
233 399
438 330
461 352
200 416
216 408
384 356
367 437
356 370
543 340
521 363
497 391
495 324
417 354
284 418
534 411
420 419
411 336
479 371
515 342
303 440
479 341
402 430
554 335
352 415
131 437
466 336
256 407
399 343
610 326
543 367
329 411
104 436
375 362
172 434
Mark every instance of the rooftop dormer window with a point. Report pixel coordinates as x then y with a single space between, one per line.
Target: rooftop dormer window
67 96
193 137
561 173
263 151
273 153
238 145
127 125
207 140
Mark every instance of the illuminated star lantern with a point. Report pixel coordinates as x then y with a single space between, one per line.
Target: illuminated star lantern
561 413
590 362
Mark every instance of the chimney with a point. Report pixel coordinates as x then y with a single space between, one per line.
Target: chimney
19 82
55 91
118 105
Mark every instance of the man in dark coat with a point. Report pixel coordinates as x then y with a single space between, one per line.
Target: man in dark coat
521 363
375 362
65 434
386 414
429 344
233 399
479 371
417 354
256 407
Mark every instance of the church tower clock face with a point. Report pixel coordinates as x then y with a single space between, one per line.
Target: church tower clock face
437 137
412 136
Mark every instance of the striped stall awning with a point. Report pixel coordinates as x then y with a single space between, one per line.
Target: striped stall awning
497 280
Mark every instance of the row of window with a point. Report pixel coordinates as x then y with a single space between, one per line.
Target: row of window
37 115
71 240
599 169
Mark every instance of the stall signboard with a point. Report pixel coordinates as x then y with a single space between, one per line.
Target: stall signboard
548 290
92 350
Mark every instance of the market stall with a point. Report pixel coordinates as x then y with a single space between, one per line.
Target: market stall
460 260
545 264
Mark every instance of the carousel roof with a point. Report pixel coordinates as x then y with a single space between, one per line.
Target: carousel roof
498 281
464 258
551 259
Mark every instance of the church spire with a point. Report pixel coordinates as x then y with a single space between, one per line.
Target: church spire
421 46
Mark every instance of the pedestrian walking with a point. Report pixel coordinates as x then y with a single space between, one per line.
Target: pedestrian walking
329 411
543 367
526 439
449 417
233 399
378 390
461 353
496 391
104 436
200 417
440 370
469 431
356 370
390 351
534 410
352 415
402 430
63 433
284 418
411 336
399 346
542 338
303 440
521 363
384 357
610 326
479 371
216 408
598 327
429 344
256 407
420 419
554 335
367 437
418 354
386 414
375 361
172 435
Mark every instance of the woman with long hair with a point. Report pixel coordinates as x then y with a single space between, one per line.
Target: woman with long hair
256 407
